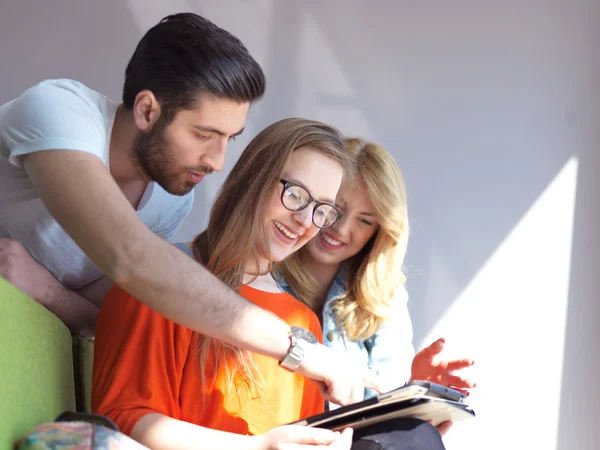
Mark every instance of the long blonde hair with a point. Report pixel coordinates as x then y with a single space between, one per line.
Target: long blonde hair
375 273
236 232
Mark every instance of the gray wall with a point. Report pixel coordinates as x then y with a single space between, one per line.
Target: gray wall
491 111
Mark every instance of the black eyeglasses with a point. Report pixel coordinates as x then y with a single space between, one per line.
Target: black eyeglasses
296 198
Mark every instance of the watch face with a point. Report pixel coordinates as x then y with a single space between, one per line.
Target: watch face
304 334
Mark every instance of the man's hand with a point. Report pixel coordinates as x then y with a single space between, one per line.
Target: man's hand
19 268
341 380
425 367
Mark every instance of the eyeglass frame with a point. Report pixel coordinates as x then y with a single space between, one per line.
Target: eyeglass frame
287 184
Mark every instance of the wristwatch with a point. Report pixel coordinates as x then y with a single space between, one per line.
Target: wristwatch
301 341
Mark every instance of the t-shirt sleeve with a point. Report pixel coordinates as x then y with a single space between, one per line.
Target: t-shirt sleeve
139 357
54 115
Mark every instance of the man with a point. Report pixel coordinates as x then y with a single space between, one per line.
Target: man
91 188
154 154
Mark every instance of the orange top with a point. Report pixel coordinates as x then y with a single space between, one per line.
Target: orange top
144 363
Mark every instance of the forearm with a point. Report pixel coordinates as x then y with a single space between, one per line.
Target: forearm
179 288
160 432
102 222
77 312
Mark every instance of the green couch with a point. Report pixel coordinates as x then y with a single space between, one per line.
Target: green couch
43 369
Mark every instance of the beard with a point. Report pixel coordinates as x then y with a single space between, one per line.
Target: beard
156 161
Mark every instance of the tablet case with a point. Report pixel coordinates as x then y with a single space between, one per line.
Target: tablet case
406 402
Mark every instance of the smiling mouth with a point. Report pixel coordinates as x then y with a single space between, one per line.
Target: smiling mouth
330 240
285 231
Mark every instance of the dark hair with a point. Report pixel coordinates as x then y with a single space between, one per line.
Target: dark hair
185 54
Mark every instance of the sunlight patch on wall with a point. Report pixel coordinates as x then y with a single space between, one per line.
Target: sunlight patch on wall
511 319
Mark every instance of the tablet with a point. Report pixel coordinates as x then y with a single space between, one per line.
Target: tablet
420 400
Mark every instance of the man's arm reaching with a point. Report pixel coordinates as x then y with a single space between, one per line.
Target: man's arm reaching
84 198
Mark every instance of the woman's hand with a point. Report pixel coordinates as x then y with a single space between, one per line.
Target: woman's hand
425 367
444 427
299 437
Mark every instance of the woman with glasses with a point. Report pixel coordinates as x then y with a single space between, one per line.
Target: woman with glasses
351 276
171 388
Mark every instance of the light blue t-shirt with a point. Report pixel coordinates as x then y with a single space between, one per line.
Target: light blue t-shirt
66 115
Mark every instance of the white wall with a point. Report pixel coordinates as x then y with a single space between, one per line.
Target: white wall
491 110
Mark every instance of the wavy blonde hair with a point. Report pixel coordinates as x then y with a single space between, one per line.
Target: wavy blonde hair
375 273
236 232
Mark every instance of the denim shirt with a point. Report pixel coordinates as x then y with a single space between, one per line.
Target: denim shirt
388 353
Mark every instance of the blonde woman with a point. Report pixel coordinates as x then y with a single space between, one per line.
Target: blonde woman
171 388
351 275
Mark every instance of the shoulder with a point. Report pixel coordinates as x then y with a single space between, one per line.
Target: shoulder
53 87
57 114
57 94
